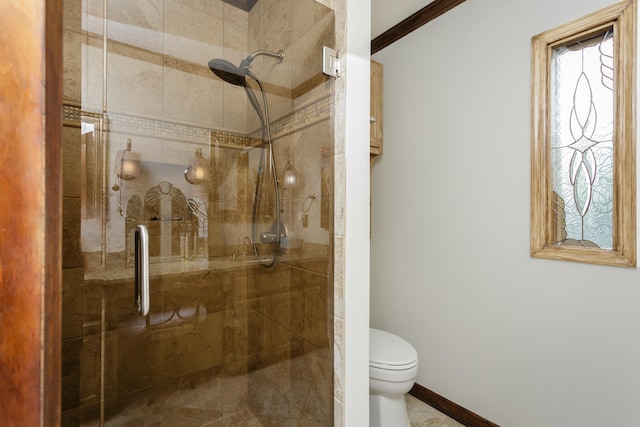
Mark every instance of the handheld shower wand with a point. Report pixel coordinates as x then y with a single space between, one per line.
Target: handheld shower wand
237 75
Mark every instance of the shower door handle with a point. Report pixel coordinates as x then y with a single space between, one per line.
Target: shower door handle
141 238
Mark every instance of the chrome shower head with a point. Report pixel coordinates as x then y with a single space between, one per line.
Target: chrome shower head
228 72
236 75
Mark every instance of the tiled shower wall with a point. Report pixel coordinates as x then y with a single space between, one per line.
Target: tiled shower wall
250 331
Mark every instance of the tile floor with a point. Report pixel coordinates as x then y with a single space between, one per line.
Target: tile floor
420 415
423 415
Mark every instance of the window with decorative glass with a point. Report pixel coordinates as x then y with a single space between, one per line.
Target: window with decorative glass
583 183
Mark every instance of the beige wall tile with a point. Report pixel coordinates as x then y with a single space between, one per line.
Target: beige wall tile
338 360
134 81
71 350
93 13
72 302
190 34
235 334
72 15
92 74
278 105
210 7
71 172
307 50
193 98
235 16
338 279
138 23
339 194
72 50
338 413
255 23
304 15
90 370
235 44
275 74
71 250
236 108
276 24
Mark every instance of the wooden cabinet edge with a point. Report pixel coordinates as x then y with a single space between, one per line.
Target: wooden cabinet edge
376 108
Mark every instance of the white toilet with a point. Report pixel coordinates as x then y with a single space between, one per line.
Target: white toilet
393 368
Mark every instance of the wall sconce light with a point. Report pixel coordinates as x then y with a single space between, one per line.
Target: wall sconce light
197 170
127 163
290 178
127 167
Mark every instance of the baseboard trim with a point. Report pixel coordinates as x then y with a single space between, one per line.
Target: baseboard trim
449 408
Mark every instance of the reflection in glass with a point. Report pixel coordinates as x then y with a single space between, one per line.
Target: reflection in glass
226 341
197 171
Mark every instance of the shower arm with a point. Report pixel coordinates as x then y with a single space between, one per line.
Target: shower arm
246 63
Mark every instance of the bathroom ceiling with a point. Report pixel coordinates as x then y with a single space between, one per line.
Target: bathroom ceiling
387 13
384 13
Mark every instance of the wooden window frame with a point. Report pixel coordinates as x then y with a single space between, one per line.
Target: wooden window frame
622 17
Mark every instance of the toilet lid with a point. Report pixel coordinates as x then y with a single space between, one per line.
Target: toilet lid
389 351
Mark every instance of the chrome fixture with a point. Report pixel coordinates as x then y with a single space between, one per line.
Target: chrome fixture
237 75
141 238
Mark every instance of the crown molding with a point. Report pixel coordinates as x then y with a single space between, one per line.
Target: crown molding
415 21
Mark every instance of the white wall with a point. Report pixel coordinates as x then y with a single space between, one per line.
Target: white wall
356 213
385 14
520 341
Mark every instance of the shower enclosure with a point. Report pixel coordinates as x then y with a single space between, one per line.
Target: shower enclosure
235 195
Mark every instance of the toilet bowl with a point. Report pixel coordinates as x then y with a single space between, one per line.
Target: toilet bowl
393 368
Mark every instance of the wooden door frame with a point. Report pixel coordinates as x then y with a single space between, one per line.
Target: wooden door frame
30 211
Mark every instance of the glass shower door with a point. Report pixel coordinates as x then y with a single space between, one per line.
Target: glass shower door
122 367
153 139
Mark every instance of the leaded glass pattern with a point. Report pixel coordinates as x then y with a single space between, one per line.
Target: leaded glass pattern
582 123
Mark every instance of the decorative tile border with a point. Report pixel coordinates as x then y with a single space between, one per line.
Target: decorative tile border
72 114
230 139
317 110
157 127
303 117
